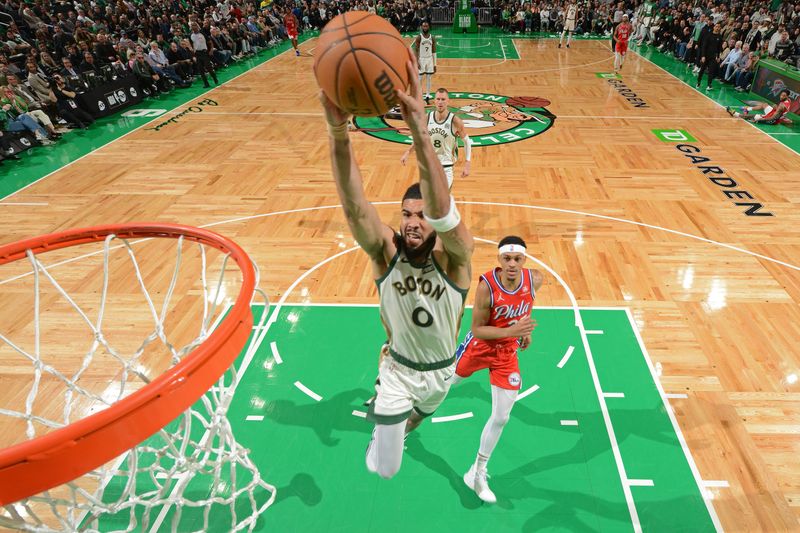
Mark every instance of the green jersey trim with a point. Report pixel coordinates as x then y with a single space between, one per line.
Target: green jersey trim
447 279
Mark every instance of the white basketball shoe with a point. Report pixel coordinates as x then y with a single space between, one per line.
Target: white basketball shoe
477 481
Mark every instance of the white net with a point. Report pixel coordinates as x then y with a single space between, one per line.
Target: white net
89 333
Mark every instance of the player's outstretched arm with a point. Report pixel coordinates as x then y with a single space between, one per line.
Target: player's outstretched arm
363 219
439 206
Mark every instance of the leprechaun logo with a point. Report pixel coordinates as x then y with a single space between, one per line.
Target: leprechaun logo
490 119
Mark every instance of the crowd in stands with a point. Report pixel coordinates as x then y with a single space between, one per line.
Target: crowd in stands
746 31
52 50
729 38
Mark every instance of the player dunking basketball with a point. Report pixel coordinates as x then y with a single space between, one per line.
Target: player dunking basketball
621 35
292 25
425 48
501 324
423 273
444 128
569 23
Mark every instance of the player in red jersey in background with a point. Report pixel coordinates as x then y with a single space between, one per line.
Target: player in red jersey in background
765 113
291 24
501 324
621 35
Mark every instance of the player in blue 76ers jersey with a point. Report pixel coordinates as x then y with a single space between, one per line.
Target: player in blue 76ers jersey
501 324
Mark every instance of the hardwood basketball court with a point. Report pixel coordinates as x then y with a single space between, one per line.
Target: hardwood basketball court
641 194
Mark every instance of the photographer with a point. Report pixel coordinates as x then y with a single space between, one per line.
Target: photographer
67 106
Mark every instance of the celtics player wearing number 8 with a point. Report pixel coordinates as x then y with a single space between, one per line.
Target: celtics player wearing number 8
444 128
423 273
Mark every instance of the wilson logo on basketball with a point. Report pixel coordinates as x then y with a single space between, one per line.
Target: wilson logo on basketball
385 88
490 119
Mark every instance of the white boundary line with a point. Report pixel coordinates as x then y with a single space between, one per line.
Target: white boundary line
692 465
569 422
566 357
359 414
451 418
533 207
275 355
676 395
254 418
527 393
514 42
641 483
466 202
718 483
613 395
438 44
307 391
594 331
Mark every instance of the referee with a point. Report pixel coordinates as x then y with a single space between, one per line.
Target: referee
201 51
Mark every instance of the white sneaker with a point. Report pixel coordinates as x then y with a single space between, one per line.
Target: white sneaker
477 481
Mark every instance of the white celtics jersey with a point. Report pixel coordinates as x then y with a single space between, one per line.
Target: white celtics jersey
425 47
443 138
572 12
421 308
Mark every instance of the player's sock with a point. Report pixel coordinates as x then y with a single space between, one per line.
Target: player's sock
502 403
385 450
370 455
481 461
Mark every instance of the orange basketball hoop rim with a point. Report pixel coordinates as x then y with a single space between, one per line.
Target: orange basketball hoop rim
30 467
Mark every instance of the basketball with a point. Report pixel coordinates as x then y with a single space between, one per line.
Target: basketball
359 62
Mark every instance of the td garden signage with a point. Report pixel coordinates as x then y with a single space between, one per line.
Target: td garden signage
490 119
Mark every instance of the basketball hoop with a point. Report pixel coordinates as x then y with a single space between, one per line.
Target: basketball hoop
151 423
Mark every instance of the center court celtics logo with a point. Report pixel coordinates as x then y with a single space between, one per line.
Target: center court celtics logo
490 119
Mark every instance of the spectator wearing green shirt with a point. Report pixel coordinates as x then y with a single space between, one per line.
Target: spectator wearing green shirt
13 120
